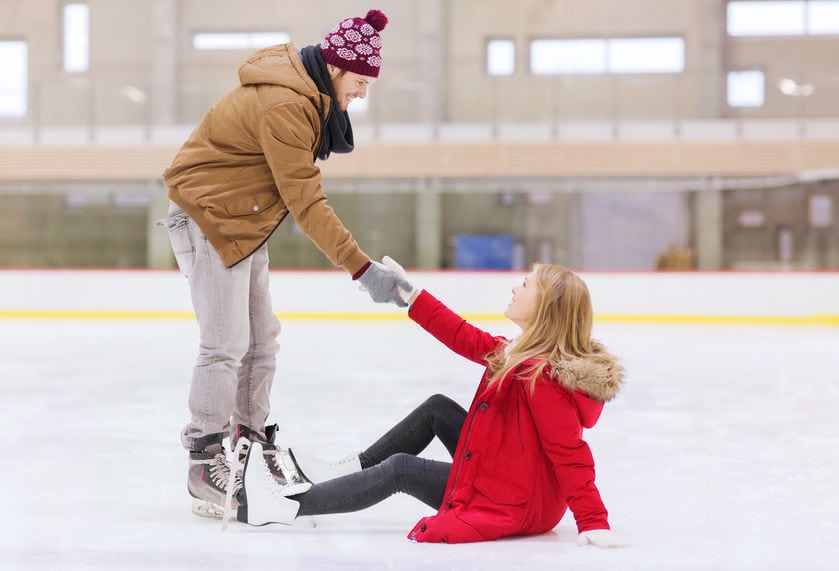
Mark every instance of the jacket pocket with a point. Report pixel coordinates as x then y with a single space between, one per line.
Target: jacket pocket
251 204
501 492
177 226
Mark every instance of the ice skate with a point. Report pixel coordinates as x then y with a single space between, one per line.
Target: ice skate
317 470
209 476
231 503
263 500
279 461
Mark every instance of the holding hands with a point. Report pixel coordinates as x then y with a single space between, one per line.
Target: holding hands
409 293
387 283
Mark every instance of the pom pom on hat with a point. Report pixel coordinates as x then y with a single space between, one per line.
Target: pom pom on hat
355 45
377 19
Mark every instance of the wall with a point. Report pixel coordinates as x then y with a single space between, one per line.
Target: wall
434 53
800 298
587 225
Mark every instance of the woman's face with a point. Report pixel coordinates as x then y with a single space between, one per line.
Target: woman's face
523 304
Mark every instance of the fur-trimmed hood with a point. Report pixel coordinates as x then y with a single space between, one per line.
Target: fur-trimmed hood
599 375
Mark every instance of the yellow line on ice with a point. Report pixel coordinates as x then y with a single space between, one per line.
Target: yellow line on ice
820 320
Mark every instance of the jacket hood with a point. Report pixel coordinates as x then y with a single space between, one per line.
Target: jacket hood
270 66
599 375
593 380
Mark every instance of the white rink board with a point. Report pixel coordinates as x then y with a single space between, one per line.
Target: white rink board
332 293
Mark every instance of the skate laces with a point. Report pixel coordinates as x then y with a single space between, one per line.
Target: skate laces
270 482
219 471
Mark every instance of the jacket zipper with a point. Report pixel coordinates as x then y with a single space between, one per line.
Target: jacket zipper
460 460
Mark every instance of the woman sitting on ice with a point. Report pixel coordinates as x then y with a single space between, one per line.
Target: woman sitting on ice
519 460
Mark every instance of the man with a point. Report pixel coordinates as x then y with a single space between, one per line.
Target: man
249 163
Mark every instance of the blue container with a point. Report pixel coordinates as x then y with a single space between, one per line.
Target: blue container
484 251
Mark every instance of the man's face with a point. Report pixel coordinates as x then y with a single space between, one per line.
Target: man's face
348 85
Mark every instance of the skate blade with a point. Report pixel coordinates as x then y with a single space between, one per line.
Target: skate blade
206 508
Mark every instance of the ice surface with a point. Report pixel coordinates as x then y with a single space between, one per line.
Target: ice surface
721 452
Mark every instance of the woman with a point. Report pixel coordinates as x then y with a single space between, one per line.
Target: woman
519 460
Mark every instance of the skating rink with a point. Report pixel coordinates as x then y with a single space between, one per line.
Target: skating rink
720 453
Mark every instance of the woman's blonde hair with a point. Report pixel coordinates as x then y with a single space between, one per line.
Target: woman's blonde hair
558 329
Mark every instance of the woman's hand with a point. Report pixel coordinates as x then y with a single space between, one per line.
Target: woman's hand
602 538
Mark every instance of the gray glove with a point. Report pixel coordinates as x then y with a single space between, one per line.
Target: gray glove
383 284
408 295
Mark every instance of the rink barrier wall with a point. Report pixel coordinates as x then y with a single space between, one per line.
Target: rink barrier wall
727 298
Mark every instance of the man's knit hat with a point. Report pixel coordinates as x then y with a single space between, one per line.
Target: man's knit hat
355 44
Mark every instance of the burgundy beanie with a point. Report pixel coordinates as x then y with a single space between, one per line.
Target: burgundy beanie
354 44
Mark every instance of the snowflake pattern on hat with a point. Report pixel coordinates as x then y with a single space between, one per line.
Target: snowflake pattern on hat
346 54
355 44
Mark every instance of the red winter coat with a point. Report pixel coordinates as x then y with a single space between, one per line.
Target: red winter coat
520 460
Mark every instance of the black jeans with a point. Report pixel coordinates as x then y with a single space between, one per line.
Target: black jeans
390 465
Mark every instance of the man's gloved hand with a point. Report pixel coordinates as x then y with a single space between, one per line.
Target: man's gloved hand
409 294
602 538
383 284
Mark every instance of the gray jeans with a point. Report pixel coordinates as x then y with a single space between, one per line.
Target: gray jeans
231 381
391 465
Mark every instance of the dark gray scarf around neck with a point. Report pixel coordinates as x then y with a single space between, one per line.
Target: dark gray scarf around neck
337 129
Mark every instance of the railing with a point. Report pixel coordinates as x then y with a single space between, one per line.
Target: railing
81 110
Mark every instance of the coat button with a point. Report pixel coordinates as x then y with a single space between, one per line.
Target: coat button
467 455
255 208
423 527
483 406
448 505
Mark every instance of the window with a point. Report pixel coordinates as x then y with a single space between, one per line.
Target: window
822 17
746 88
788 18
13 78
501 57
616 55
765 18
76 37
238 40
647 55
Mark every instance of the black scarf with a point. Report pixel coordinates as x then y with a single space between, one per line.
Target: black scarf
337 130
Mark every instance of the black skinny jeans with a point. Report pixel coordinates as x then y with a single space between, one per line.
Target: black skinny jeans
390 465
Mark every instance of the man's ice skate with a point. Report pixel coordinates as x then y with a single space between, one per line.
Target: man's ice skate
209 476
263 500
279 461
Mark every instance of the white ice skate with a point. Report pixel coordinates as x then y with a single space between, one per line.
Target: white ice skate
263 499
316 470
234 483
282 462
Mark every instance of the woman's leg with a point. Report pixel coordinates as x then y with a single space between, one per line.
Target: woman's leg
421 478
438 416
